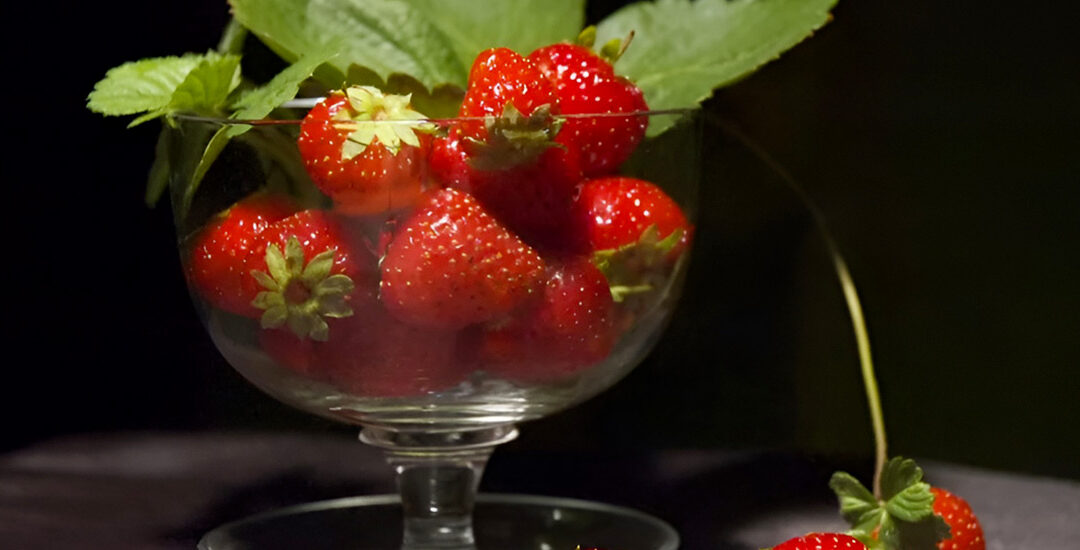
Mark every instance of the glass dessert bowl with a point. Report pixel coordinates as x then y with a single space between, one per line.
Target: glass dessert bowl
462 287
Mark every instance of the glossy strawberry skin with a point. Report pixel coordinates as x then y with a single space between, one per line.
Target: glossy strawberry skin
822 541
965 531
614 211
501 76
317 231
569 328
587 84
451 264
217 263
535 200
372 182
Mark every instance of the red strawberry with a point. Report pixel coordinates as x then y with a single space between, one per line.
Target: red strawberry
499 78
379 356
570 328
585 83
616 211
535 199
306 270
452 264
216 265
965 533
822 541
360 149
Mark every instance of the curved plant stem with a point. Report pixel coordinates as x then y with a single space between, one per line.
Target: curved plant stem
851 298
232 38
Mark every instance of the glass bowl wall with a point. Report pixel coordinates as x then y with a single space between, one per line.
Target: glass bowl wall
413 378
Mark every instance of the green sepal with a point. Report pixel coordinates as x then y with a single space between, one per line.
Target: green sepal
587 38
441 101
326 296
514 139
855 499
638 267
903 519
372 114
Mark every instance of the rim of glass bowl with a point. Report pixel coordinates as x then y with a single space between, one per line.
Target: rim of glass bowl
307 103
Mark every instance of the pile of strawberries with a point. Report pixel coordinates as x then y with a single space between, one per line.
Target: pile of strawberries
501 242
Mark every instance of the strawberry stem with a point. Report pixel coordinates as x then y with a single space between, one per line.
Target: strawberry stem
851 298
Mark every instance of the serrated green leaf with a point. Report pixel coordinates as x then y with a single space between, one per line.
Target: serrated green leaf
260 102
683 50
386 35
899 474
207 87
138 86
522 25
855 499
914 503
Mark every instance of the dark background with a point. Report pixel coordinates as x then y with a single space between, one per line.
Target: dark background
938 138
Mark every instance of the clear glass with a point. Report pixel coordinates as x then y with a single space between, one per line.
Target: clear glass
436 398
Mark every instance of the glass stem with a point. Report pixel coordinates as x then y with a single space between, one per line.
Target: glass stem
437 478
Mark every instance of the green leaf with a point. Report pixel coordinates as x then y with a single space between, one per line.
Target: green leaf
260 102
855 499
521 25
210 153
915 503
683 50
899 474
387 36
139 86
204 90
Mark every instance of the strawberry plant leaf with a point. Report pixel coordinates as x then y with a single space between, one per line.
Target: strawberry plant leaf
158 179
139 86
683 50
899 474
915 503
259 102
387 36
855 499
521 25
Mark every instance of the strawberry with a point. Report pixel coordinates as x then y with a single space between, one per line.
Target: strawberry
908 514
216 263
509 160
586 83
965 533
822 541
380 356
535 199
366 150
616 211
306 270
504 85
570 328
452 264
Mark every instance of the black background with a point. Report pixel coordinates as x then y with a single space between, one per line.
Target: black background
939 139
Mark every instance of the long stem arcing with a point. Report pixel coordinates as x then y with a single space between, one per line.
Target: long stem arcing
851 298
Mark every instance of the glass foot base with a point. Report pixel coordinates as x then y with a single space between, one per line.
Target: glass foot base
501 522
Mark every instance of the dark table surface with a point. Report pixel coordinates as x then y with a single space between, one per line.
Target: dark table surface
159 491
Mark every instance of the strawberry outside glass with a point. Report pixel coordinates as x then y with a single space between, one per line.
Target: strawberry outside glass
461 293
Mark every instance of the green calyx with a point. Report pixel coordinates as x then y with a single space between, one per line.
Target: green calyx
373 114
301 296
514 139
638 267
903 518
611 51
